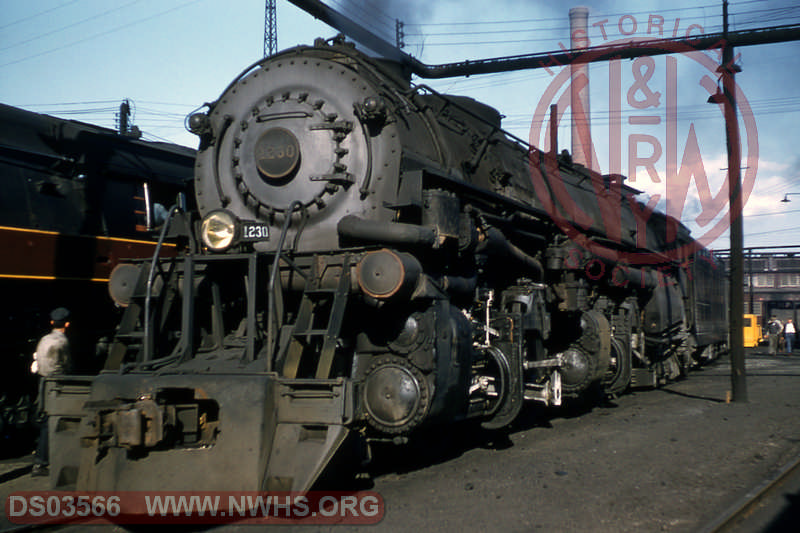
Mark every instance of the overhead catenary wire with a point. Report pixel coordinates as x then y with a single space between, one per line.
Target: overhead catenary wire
36 15
380 27
149 116
68 26
482 82
683 9
93 36
554 19
434 38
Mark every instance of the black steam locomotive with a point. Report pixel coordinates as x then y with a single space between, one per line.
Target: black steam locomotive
76 200
368 258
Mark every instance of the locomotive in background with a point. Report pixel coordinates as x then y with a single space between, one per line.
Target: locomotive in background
76 199
369 257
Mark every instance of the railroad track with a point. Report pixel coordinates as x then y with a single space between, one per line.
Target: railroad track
767 507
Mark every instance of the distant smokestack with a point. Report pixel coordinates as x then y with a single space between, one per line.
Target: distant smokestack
579 96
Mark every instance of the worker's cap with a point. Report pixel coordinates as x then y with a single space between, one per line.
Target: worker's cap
59 316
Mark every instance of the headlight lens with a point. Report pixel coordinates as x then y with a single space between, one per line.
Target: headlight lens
218 230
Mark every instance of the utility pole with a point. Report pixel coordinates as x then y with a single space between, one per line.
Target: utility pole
124 115
750 281
736 290
399 33
270 28
124 121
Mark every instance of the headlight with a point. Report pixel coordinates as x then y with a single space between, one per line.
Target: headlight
218 230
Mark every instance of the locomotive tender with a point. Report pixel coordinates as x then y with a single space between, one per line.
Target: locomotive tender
366 258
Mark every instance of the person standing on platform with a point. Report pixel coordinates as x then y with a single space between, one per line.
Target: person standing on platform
774 328
52 357
788 334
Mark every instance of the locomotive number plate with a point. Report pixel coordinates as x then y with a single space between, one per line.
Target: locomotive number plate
277 154
255 231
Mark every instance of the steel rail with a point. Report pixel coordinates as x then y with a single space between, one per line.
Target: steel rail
742 509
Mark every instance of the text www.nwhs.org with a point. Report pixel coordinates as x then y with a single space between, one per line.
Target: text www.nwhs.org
195 507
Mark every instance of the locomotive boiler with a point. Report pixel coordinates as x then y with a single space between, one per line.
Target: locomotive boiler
368 257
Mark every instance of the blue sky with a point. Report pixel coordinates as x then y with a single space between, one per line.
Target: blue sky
79 58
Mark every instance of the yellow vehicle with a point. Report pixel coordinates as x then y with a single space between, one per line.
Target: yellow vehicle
752 330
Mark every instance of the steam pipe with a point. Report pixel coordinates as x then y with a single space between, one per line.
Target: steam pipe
626 50
494 241
388 233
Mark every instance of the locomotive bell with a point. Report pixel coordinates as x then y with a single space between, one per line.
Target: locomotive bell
122 283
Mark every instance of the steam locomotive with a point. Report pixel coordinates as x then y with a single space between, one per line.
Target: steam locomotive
368 257
76 199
